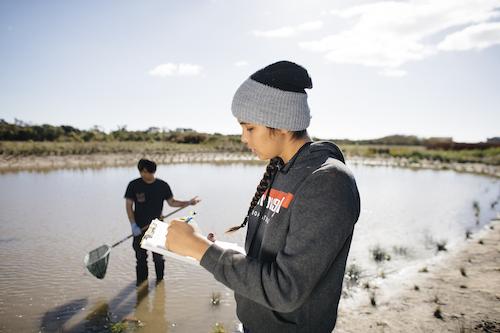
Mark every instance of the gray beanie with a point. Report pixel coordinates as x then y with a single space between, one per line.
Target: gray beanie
275 97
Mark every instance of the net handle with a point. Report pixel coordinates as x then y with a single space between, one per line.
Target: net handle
161 218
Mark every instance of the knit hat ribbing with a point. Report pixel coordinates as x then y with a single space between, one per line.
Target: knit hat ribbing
275 97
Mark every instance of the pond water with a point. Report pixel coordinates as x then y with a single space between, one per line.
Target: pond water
49 221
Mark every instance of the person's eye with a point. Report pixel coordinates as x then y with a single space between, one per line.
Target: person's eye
249 129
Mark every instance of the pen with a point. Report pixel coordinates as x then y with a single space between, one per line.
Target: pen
189 218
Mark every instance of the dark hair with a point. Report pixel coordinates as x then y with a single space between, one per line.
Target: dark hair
272 168
296 135
147 165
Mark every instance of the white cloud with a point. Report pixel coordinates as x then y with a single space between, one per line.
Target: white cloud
389 34
171 69
289 31
477 37
310 26
241 63
276 33
393 72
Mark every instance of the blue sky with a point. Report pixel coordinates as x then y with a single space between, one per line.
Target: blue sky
418 67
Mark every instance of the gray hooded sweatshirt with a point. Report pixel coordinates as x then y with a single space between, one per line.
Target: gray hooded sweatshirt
291 278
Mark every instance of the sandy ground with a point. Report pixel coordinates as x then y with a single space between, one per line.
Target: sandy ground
49 163
468 302
475 168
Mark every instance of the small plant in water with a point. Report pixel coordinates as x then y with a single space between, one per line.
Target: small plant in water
352 275
462 271
477 209
119 327
400 250
218 328
416 288
379 254
481 242
493 204
373 302
441 245
438 314
468 234
423 270
215 298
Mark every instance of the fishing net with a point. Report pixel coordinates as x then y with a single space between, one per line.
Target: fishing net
97 261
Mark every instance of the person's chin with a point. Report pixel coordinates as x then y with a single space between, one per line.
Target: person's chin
263 157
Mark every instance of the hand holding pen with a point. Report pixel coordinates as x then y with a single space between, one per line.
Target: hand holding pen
183 239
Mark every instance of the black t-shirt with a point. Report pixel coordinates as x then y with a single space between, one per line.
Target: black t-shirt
148 199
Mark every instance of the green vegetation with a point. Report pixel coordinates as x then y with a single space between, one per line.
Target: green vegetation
416 153
28 148
119 327
42 140
22 139
218 328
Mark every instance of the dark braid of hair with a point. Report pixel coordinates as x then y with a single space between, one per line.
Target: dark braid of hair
272 168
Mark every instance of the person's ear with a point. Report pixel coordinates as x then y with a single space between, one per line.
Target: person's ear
286 134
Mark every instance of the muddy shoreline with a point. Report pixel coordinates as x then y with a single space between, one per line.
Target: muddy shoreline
459 292
9 164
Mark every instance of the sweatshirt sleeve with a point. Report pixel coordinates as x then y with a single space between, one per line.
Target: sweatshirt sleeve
322 219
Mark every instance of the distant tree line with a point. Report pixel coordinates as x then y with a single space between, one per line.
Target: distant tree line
22 131
438 143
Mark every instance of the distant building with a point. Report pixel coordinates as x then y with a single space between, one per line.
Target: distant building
153 130
495 140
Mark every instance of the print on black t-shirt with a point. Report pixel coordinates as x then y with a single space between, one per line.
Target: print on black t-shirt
148 199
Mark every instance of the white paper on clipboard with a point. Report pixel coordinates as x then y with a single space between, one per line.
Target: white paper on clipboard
154 240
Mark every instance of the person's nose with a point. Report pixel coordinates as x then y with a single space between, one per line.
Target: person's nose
243 139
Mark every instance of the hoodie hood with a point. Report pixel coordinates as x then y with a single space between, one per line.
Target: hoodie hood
314 151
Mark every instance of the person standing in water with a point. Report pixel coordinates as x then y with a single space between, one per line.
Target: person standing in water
300 221
144 202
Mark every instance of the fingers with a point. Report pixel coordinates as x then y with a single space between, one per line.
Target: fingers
194 201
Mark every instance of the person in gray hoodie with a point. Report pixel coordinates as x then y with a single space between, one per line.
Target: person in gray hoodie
300 221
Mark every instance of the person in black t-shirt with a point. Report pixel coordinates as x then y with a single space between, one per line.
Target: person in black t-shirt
144 203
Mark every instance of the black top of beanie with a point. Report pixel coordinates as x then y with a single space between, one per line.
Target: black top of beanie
284 75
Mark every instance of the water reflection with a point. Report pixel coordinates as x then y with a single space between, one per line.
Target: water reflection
151 312
73 211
